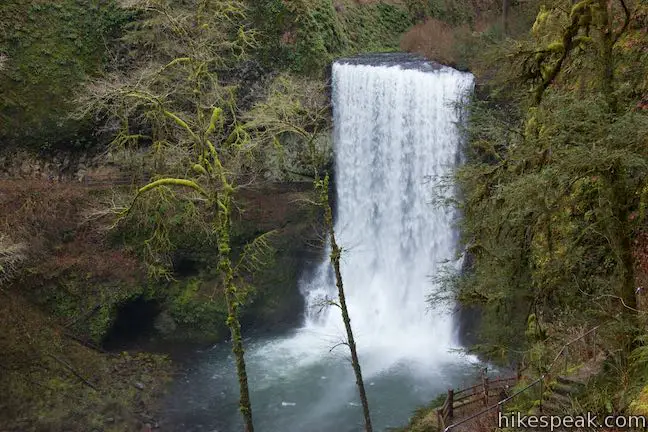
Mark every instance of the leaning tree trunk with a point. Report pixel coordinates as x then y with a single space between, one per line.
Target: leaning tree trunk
335 260
621 232
606 53
225 267
506 6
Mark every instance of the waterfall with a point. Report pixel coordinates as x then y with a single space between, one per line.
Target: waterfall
395 131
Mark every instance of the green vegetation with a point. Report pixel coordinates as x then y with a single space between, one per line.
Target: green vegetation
553 190
48 50
553 194
197 316
196 117
51 382
303 36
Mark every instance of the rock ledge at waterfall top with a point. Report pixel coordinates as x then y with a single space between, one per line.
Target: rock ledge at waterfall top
402 59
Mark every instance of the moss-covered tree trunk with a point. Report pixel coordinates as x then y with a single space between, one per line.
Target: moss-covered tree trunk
335 260
606 52
185 105
506 7
224 202
621 233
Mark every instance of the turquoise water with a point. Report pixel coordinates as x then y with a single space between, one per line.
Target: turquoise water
317 396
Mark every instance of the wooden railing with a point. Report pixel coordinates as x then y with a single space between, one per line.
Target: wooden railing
482 394
446 413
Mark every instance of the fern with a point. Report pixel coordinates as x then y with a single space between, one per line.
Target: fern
11 255
256 254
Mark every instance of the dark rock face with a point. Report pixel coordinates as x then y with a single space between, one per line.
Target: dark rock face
467 318
184 266
134 322
278 302
252 80
402 60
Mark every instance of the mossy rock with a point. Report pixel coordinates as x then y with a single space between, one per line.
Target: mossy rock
306 36
198 309
50 49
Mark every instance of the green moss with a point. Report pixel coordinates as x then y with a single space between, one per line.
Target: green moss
90 306
639 406
161 228
556 47
51 49
199 310
374 27
304 36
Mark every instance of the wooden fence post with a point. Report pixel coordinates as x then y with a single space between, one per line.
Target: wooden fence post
450 404
590 340
565 355
541 394
485 384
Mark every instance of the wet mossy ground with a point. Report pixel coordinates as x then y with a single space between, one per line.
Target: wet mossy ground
50 382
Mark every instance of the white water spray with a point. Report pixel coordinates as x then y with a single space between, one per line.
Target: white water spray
395 129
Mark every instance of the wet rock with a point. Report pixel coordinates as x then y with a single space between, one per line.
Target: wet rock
165 324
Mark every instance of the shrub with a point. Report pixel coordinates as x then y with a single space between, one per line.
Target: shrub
434 39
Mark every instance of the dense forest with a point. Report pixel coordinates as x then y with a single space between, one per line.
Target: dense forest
163 179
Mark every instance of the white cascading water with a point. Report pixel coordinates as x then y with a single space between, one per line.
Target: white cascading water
395 132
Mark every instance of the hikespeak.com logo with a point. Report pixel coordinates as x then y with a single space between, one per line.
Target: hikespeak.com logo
583 421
